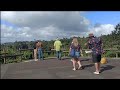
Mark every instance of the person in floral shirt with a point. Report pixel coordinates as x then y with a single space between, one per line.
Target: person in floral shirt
95 44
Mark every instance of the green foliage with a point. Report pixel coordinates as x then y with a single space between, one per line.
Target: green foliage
109 41
27 55
110 54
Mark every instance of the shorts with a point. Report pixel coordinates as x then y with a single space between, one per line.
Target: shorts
74 53
96 58
75 56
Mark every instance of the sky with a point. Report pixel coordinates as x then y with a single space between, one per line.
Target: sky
103 17
48 25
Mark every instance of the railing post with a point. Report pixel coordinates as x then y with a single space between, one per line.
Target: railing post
5 58
33 53
116 55
20 56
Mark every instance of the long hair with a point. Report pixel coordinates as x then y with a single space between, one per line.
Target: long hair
75 41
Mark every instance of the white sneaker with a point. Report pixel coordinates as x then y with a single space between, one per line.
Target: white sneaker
96 73
36 59
74 69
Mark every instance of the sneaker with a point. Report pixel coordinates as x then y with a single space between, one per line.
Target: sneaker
36 60
74 69
96 73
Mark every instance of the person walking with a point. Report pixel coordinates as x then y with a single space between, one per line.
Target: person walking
95 44
75 51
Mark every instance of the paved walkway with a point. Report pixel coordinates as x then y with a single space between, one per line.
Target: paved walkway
56 69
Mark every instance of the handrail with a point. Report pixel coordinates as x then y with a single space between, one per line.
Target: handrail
4 55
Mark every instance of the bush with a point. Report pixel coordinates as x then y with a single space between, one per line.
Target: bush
118 54
27 55
110 54
118 47
1 60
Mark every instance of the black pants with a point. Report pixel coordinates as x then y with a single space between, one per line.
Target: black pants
96 58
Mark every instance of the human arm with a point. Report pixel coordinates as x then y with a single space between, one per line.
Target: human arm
60 44
101 43
54 44
70 50
81 51
88 44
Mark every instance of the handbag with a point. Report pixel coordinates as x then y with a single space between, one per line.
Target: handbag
103 60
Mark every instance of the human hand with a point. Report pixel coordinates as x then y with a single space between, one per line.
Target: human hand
103 51
81 54
85 44
68 54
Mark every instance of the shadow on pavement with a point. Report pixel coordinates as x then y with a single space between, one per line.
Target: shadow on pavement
85 59
107 67
90 65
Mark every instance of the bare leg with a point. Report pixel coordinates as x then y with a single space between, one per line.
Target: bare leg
35 54
97 68
79 63
74 62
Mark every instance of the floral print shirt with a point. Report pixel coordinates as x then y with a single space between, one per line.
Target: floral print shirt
95 45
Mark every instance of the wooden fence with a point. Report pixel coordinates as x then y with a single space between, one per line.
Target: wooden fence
5 55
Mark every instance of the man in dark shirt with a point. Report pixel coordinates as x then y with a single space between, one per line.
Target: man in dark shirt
95 45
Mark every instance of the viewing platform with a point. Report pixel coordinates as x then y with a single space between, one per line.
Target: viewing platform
59 69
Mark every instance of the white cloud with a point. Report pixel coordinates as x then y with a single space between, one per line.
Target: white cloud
7 15
47 25
103 29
